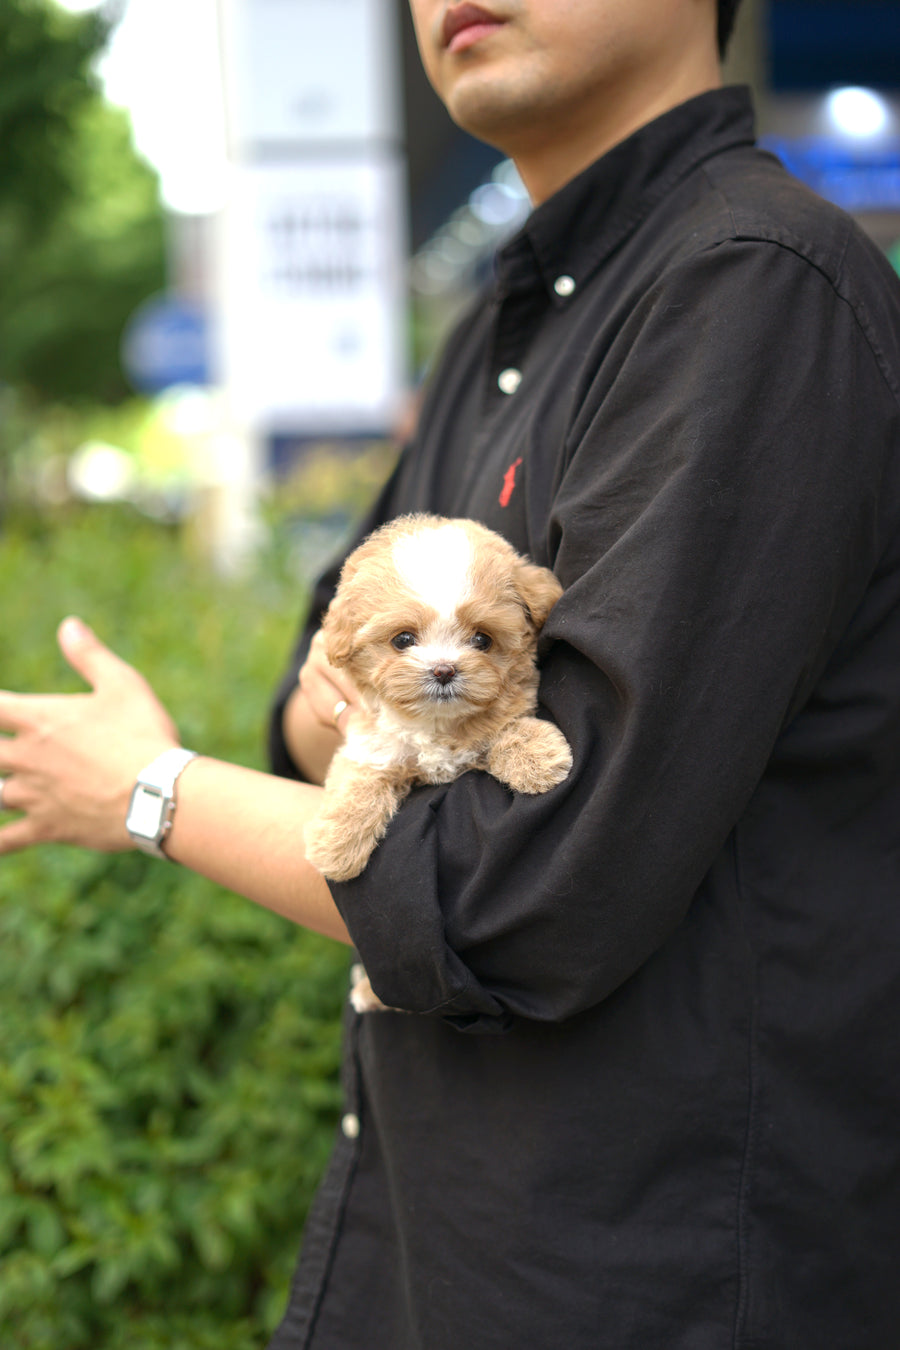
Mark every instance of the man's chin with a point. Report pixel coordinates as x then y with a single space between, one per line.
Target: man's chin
487 110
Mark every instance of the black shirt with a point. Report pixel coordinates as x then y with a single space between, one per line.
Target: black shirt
649 1093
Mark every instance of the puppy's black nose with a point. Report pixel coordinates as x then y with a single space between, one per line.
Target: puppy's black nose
444 672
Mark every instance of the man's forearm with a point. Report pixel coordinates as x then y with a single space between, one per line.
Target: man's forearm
244 830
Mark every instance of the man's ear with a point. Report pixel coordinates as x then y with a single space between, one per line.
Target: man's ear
538 589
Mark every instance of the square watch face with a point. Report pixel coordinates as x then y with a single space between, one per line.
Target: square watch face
145 813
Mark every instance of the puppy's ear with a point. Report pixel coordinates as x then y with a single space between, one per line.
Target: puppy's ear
340 628
538 589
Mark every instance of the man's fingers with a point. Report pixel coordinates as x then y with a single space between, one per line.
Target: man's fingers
17 835
13 714
87 655
326 688
324 694
9 792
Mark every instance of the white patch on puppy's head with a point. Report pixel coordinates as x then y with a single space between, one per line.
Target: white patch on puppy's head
435 565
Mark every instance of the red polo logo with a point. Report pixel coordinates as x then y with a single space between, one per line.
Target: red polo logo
509 482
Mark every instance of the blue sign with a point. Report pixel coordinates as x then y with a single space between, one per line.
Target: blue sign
857 178
166 342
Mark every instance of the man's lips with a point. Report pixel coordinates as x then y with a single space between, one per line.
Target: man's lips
466 24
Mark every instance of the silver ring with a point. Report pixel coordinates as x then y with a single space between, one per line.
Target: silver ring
3 783
340 707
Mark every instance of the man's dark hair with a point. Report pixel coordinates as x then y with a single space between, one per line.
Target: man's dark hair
727 11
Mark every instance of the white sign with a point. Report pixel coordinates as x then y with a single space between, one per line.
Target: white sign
311 71
311 333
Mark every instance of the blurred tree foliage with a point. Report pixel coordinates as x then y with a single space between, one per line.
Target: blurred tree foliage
168 1082
81 230
45 59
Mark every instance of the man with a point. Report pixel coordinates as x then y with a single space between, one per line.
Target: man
644 1089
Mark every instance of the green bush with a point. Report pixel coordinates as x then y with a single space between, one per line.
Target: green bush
168 1077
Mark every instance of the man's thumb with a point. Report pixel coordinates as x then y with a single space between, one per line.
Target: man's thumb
84 651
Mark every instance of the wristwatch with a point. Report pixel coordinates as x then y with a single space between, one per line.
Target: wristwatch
152 806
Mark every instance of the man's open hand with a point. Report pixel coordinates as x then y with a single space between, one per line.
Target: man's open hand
69 761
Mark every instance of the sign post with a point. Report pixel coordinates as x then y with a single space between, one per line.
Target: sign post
311 294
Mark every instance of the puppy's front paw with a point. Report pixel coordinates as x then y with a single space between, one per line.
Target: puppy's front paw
363 996
333 851
531 756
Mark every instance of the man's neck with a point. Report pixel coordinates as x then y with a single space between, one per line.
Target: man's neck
547 162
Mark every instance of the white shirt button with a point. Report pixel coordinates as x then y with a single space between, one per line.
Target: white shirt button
509 380
564 286
350 1126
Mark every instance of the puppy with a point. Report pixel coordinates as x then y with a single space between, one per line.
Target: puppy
436 622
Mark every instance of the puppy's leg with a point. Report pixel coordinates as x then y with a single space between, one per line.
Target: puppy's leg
530 755
363 996
359 803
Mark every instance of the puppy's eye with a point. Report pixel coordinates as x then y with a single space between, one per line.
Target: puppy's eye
481 642
402 641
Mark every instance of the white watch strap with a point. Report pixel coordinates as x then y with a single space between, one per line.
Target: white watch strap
163 771
152 806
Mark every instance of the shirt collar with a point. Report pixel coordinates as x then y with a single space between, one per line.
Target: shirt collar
568 236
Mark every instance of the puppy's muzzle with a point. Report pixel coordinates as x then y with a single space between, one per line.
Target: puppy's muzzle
442 683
